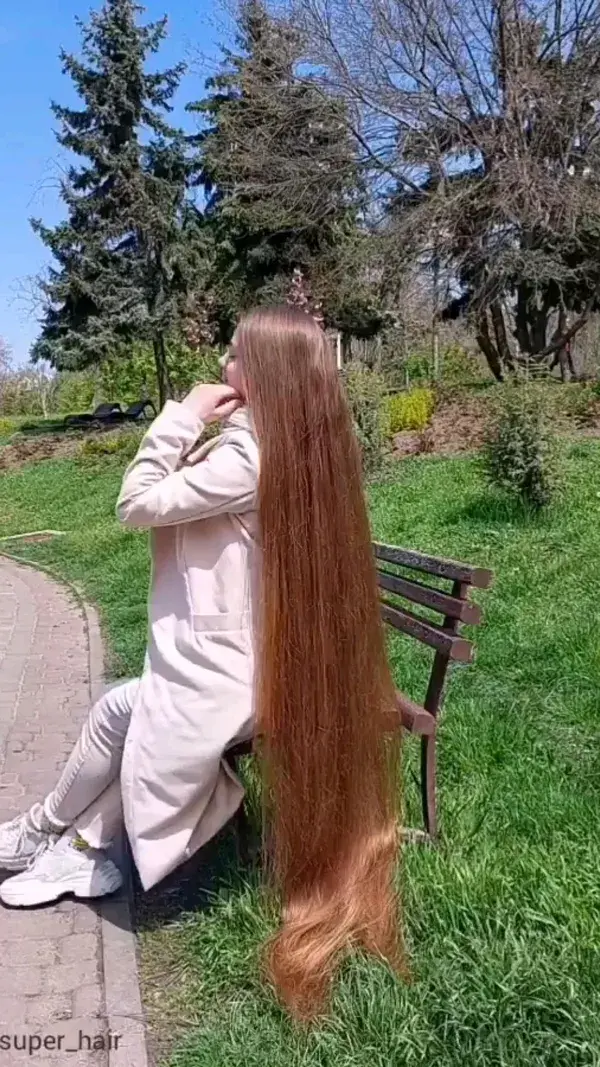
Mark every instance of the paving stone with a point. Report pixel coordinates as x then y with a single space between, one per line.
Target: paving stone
41 952
66 977
49 1008
13 1010
88 1002
78 947
52 978
84 920
21 981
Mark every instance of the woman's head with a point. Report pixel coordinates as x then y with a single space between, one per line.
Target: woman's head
280 352
232 372
323 685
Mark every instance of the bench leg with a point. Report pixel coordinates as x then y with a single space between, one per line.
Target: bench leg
428 787
243 836
241 823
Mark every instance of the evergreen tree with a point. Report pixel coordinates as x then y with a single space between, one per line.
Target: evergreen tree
278 172
121 256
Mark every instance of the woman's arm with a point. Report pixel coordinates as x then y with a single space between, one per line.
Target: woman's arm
156 493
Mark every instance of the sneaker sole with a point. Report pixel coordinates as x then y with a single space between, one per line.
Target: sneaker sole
30 896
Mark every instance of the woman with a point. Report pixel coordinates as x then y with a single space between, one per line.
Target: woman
284 640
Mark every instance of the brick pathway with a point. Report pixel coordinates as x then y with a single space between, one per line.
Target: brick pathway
51 959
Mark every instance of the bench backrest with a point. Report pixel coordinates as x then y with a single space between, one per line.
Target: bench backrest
405 581
137 409
106 409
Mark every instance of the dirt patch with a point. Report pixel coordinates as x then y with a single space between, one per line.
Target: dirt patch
459 425
21 449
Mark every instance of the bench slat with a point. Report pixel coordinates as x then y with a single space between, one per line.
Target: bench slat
448 606
441 568
414 718
455 648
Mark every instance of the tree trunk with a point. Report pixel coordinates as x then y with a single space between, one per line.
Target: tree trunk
560 360
561 356
165 390
487 347
502 342
435 321
522 318
570 362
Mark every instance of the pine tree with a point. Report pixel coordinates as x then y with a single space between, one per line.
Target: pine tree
120 256
278 173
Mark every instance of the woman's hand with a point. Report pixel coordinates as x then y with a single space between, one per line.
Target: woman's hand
212 402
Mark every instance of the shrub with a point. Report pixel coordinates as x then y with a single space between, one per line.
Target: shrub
575 401
8 426
461 367
408 411
76 391
131 375
521 453
417 369
13 425
122 444
365 392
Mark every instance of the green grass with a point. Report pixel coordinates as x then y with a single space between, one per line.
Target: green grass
503 920
109 563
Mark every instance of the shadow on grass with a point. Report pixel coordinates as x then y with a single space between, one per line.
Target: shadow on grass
194 885
492 507
39 429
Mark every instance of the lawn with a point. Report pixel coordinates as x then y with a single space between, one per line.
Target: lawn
503 920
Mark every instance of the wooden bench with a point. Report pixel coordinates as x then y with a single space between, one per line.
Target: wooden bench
432 613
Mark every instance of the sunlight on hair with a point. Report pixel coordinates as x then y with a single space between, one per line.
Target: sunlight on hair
324 689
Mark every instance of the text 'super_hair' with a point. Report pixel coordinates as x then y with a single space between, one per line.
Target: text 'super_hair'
324 693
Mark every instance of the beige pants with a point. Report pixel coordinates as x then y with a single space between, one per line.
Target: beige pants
88 795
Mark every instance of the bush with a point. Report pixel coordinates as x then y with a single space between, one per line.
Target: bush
20 424
122 445
521 453
462 367
131 375
8 427
365 392
25 392
574 401
417 369
76 391
408 411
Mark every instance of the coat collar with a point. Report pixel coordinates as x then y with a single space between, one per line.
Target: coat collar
240 420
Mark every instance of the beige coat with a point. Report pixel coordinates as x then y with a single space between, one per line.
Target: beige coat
195 696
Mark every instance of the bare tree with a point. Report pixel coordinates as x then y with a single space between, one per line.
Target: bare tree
477 123
42 382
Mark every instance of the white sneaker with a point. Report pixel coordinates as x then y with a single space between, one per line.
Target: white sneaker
60 868
21 839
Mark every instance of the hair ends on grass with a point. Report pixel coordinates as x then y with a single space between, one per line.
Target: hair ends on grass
324 691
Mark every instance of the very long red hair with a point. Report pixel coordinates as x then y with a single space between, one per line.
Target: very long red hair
323 686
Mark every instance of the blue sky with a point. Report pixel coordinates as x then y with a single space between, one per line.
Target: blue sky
31 35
